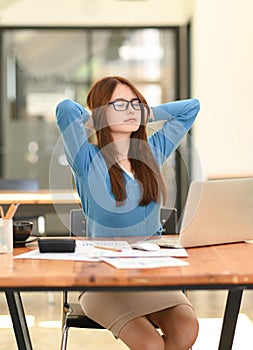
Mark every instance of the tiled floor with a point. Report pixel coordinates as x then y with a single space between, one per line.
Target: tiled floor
43 312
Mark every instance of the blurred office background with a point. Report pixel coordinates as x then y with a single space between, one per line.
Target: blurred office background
171 49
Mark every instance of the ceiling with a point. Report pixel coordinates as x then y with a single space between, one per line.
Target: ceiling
95 12
6 3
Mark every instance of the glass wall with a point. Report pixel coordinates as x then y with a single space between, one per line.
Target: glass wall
45 66
42 66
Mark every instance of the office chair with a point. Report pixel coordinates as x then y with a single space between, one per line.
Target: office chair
168 218
73 315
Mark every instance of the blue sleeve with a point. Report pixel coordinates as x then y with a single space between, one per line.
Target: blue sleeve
71 117
179 117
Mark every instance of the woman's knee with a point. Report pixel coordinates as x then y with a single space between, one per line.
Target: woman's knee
179 326
188 321
185 328
189 326
140 334
153 342
147 343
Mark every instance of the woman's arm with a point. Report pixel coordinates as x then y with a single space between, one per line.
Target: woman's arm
183 111
179 117
71 117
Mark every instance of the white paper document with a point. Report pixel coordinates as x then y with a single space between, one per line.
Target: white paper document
89 251
140 263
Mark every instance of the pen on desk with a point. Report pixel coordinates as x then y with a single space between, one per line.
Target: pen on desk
11 211
1 212
107 248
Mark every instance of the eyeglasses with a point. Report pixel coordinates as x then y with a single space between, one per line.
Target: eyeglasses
122 105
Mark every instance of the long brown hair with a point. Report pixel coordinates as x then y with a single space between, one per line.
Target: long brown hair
140 156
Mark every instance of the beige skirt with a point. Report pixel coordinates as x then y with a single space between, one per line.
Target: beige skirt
115 309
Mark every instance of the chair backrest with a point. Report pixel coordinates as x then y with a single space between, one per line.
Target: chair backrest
19 184
168 218
78 222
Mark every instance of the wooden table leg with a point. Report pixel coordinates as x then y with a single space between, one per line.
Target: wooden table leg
230 319
16 310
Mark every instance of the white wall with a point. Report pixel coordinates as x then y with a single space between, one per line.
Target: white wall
95 12
223 81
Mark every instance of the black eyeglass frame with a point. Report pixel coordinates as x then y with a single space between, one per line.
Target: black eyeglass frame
140 105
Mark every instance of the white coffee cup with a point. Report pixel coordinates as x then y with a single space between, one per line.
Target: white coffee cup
6 235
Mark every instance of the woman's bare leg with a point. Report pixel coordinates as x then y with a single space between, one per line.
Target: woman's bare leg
179 326
140 334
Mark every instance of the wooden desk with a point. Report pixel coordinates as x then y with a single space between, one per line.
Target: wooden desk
34 204
228 267
41 202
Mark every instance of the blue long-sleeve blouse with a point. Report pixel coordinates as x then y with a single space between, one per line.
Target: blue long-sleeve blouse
103 217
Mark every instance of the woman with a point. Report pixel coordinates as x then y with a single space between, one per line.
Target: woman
121 191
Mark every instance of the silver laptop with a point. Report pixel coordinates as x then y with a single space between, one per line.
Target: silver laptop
217 212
